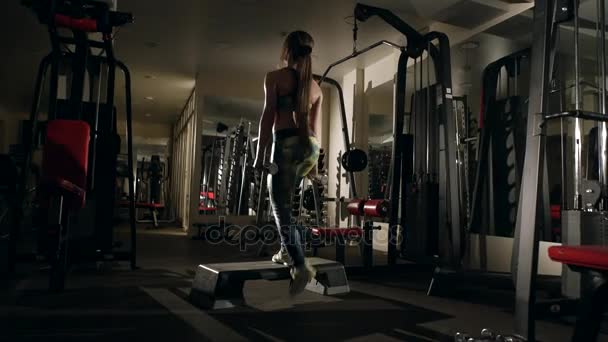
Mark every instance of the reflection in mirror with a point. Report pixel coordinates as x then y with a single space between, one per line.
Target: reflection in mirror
380 109
228 183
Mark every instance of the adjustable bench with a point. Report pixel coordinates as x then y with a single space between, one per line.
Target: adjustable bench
220 286
591 262
338 236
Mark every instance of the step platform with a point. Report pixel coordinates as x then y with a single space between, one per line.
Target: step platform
220 286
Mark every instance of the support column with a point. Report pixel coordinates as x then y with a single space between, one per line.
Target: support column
360 131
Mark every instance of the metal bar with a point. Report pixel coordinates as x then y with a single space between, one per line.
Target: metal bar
526 242
79 67
345 135
603 150
71 41
397 157
318 202
414 38
29 147
516 78
578 114
578 135
415 117
423 122
443 71
56 56
96 128
358 53
428 110
246 171
129 119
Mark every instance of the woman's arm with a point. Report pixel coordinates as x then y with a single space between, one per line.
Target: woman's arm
266 120
306 122
315 112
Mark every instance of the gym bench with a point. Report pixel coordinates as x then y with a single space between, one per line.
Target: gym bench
338 236
592 263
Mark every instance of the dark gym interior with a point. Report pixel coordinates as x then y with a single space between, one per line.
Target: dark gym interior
290 170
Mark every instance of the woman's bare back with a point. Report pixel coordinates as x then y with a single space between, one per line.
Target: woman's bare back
286 84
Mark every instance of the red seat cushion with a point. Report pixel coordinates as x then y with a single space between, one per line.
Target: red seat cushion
353 232
209 195
65 158
591 257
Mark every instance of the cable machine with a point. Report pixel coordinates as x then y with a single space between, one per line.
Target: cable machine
433 143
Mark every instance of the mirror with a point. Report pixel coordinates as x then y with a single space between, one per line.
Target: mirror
380 108
227 182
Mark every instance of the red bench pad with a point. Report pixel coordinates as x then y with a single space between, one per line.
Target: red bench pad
65 159
591 257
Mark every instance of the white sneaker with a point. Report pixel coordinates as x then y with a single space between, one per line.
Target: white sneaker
300 277
282 257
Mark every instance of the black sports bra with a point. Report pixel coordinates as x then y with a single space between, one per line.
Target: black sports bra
287 103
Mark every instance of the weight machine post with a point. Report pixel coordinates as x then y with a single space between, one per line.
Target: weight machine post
578 134
603 134
129 119
29 144
526 247
345 135
443 70
245 172
397 160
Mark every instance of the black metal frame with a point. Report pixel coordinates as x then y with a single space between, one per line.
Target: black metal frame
401 166
343 120
440 54
82 61
546 15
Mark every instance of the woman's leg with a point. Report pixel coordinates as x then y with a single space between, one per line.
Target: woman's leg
281 187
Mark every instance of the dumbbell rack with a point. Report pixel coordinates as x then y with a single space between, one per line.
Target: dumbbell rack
380 160
313 213
235 168
220 185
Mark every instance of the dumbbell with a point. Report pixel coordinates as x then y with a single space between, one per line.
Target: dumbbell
272 168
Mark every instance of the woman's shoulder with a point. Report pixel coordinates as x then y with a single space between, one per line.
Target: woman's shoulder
275 75
279 72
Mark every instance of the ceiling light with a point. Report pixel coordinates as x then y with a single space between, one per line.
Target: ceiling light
148 115
149 98
150 77
469 45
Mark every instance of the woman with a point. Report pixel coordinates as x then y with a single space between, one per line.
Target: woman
293 103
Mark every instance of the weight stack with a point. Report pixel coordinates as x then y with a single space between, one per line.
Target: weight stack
421 232
581 228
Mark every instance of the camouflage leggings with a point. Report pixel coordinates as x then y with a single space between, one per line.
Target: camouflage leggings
295 157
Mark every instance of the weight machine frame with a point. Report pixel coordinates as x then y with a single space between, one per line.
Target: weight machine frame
401 163
82 61
548 15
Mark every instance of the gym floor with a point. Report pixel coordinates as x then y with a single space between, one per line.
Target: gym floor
150 304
